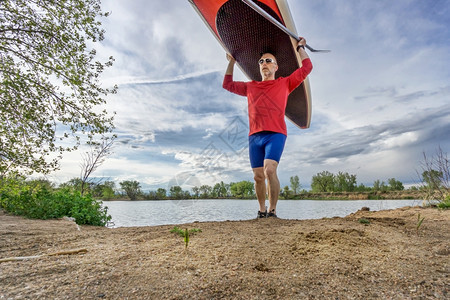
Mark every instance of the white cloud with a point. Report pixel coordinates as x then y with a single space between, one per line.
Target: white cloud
380 98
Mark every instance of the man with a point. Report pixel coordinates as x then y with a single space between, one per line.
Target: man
267 101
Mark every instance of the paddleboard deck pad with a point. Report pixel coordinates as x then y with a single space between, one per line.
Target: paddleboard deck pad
245 34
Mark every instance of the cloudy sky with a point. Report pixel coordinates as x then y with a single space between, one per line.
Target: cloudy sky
380 98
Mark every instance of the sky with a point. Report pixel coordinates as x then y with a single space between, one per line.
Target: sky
380 98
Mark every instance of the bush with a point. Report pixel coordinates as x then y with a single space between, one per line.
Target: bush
445 204
88 211
37 201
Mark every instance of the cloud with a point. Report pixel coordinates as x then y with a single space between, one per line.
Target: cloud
133 81
380 98
404 139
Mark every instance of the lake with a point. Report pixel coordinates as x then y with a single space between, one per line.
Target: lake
164 212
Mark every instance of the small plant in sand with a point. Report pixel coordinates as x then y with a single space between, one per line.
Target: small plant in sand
445 204
185 233
419 223
364 221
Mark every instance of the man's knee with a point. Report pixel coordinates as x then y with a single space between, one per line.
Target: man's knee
270 172
258 175
270 169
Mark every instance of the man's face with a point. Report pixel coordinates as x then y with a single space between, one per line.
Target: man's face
267 65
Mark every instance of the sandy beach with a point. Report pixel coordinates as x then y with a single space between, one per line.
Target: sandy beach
330 258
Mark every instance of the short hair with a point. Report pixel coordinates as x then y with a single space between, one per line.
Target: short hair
267 52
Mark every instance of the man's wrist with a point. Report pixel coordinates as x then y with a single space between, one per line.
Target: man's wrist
300 46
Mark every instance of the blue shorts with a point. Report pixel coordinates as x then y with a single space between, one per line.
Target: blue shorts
265 145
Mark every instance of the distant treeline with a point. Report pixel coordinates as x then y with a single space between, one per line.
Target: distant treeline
324 185
79 199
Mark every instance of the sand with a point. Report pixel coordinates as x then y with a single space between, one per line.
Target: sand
330 258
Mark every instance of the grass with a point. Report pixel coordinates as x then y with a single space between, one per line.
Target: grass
185 233
445 204
419 223
364 221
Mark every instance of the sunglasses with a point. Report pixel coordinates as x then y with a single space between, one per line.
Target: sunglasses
266 60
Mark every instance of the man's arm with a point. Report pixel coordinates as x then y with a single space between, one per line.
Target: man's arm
231 62
301 50
236 87
296 78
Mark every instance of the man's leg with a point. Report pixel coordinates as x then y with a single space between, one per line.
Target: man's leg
260 187
270 172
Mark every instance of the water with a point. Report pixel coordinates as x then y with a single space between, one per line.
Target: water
164 212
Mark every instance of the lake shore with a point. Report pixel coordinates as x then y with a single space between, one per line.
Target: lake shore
380 195
255 259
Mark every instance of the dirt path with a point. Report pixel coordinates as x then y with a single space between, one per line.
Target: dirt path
255 259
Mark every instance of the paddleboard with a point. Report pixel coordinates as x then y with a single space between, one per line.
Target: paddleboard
245 34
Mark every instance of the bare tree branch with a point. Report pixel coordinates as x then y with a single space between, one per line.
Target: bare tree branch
94 159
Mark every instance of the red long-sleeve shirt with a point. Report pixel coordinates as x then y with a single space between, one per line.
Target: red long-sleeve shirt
267 99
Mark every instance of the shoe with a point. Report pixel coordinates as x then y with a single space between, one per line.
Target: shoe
262 214
272 214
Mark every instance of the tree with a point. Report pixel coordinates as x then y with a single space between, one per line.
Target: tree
186 195
344 182
362 188
132 188
161 193
74 184
285 192
242 189
379 186
42 182
436 176
94 158
176 192
220 190
432 178
322 182
151 195
196 192
395 185
107 189
376 185
205 191
295 184
103 190
49 81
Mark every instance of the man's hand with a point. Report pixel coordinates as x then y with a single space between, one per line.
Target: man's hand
302 41
301 48
230 58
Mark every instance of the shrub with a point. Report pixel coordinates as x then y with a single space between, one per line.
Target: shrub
38 201
88 211
445 204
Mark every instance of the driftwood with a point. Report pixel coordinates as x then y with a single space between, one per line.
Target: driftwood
66 252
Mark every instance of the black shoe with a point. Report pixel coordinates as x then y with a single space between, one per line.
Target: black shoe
272 214
262 214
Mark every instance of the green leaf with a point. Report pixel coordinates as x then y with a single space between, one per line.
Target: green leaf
47 84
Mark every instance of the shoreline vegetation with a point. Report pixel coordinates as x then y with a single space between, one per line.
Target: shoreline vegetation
41 199
380 195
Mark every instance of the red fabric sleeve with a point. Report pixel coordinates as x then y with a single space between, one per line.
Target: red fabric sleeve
297 77
236 87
